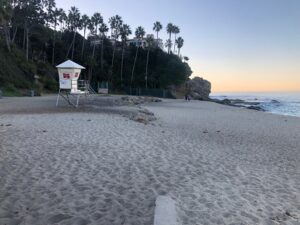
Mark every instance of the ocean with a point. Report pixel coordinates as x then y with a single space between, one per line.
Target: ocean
283 103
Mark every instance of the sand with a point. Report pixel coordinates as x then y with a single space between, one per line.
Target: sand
165 211
221 164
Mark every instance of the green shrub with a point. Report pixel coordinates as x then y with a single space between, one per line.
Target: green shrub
49 83
10 91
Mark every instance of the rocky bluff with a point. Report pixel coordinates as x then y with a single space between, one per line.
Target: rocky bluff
198 88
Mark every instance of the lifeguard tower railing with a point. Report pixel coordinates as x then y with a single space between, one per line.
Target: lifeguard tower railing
84 85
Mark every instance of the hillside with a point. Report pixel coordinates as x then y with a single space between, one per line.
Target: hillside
35 36
17 76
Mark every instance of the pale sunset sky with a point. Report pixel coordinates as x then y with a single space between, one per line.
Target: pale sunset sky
238 45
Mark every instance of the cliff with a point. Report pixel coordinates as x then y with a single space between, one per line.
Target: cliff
199 88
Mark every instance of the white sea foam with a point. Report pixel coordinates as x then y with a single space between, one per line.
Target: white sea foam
285 103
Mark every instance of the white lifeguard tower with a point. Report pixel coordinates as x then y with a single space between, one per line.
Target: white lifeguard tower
69 73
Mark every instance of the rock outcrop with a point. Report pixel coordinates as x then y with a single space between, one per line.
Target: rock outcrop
199 89
138 100
239 103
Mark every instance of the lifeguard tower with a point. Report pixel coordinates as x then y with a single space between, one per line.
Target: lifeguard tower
69 73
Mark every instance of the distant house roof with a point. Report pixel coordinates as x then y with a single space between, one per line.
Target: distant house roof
70 65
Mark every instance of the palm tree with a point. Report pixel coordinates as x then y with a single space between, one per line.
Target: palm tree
169 44
157 27
102 29
55 18
170 28
50 6
85 21
74 24
91 28
115 23
176 30
95 21
124 32
150 44
179 43
115 26
139 34
62 19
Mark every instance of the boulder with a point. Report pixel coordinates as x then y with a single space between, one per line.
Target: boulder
226 101
258 108
199 89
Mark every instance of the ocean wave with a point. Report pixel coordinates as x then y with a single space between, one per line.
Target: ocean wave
285 104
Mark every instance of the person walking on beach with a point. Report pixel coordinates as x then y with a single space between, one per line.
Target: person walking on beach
187 91
187 97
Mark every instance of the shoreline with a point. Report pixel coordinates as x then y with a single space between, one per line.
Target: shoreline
113 101
283 103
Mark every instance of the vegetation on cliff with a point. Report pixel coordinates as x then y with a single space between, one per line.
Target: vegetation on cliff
35 36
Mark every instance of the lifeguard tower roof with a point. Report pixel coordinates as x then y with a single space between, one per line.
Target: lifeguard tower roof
69 64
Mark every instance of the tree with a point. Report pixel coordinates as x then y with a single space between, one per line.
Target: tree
179 43
47 35
150 44
55 21
115 23
139 35
50 7
33 15
95 21
176 31
170 28
124 32
157 28
103 29
169 45
186 59
5 20
91 61
62 19
73 24
91 28
115 27
15 22
85 21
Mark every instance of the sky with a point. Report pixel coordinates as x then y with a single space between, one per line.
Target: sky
238 45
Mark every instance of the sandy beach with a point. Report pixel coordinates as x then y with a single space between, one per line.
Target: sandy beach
95 165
